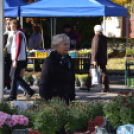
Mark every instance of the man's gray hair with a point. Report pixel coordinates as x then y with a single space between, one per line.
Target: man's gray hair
58 39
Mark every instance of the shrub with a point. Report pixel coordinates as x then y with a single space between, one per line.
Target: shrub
120 110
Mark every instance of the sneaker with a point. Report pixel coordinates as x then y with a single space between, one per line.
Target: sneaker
24 93
7 90
85 88
10 98
28 96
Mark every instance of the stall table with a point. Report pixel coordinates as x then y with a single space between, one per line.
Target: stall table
127 69
80 60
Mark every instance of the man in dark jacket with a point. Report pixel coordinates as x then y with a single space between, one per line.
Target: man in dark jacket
99 57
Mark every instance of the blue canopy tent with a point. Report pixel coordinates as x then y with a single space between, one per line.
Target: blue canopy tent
10 11
11 7
72 8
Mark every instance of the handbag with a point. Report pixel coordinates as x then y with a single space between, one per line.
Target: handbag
96 76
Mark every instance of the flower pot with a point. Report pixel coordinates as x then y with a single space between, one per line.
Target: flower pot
82 130
82 84
77 83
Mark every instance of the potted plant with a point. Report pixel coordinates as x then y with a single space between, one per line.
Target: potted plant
52 115
80 113
82 80
129 52
10 122
120 110
77 83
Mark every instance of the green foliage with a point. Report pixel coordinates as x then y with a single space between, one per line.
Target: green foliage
119 40
7 108
82 78
129 51
120 110
51 115
82 112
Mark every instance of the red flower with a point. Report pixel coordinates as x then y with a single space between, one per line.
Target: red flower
128 105
124 100
68 109
34 106
124 93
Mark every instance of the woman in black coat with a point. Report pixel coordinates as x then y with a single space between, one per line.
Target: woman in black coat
58 76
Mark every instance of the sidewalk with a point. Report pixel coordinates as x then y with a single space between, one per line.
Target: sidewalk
116 85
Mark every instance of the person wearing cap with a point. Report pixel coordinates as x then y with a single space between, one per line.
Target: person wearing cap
98 58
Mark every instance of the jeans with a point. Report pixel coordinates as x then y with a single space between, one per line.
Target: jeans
15 77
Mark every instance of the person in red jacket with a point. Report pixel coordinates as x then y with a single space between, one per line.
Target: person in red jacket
74 37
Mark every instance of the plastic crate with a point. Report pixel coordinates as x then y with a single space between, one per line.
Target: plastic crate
100 130
130 82
88 132
72 54
46 53
99 121
20 131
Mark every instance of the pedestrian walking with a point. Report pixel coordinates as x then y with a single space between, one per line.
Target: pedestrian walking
98 58
19 61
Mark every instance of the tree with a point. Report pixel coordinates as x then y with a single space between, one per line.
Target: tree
121 2
130 7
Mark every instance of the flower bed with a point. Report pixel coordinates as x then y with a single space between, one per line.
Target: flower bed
49 117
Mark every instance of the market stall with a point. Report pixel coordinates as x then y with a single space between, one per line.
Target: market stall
71 8
11 7
81 58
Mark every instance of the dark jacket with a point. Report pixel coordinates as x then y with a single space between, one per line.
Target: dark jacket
57 79
99 49
73 35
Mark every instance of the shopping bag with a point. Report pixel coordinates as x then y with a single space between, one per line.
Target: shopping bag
96 76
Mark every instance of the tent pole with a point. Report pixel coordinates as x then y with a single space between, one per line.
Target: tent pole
53 26
104 20
54 20
21 22
1 49
126 31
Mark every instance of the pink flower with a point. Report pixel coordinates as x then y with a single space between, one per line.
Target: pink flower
15 117
9 123
26 121
21 121
15 122
1 123
21 116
